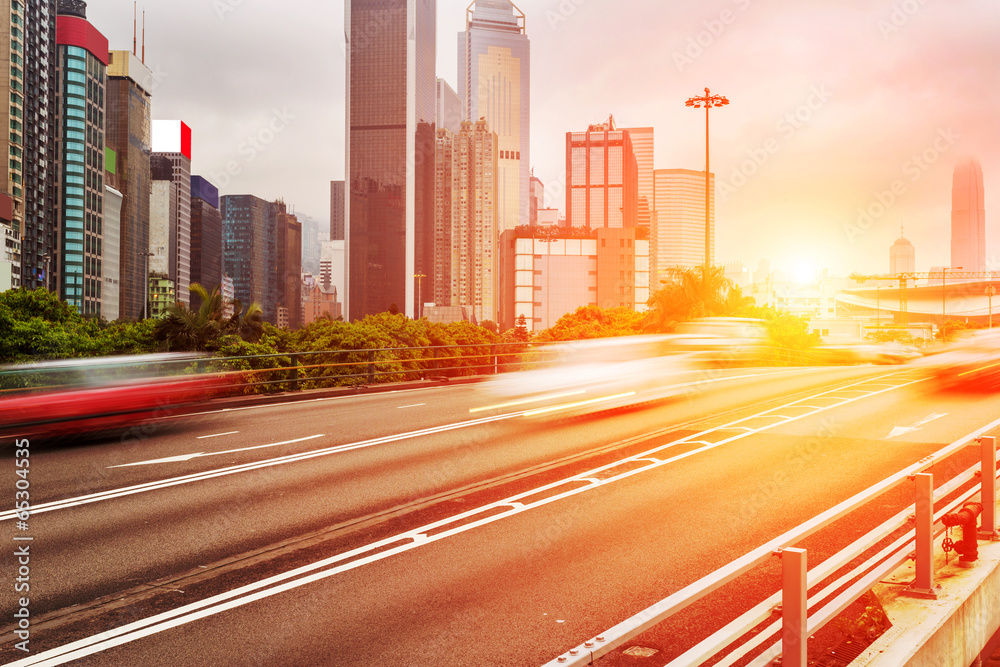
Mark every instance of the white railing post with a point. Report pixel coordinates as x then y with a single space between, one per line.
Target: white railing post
794 610
923 583
988 519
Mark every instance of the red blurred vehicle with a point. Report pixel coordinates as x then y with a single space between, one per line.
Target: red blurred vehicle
76 396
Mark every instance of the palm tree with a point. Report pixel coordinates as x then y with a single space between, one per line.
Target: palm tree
188 330
692 292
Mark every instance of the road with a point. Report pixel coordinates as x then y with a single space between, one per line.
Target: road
417 528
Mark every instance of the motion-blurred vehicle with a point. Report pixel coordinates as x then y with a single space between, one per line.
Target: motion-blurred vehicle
594 375
76 396
723 340
845 354
972 362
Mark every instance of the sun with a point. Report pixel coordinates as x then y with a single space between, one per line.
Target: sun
804 272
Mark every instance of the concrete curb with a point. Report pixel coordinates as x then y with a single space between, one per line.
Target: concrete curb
951 631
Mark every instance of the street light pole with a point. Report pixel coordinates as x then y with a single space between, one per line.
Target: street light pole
418 309
145 284
709 101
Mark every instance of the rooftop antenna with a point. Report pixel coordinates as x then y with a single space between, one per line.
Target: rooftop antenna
143 36
134 15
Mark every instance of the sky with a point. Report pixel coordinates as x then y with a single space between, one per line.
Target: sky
846 120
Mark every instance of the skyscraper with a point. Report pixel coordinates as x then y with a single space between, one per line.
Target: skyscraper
82 56
968 217
31 149
249 227
536 198
206 236
494 82
129 133
449 108
602 178
465 264
680 218
288 265
642 147
390 152
172 140
902 256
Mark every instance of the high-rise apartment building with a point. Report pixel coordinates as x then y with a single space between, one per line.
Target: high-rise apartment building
337 210
82 59
968 217
288 265
390 152
680 218
206 237
249 227
28 94
494 83
129 133
444 205
172 140
602 178
466 229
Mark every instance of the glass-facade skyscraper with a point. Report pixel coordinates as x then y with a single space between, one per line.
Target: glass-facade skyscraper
82 60
602 178
968 217
249 249
391 56
494 82
680 218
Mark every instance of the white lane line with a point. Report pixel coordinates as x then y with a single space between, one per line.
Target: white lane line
903 430
415 405
291 458
217 435
187 457
232 470
416 538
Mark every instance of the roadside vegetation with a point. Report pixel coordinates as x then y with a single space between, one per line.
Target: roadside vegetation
35 325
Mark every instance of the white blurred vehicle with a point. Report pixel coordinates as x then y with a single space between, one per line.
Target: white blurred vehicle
594 375
723 340
866 353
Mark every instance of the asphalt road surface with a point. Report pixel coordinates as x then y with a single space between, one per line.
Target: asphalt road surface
423 527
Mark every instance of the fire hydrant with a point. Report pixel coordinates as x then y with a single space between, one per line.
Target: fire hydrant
968 546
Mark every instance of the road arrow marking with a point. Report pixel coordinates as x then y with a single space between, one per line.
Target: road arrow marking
903 430
188 457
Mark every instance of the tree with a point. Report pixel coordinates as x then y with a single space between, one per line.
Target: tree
594 322
187 330
688 293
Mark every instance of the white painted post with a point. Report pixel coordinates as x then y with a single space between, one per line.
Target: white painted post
988 519
923 584
794 611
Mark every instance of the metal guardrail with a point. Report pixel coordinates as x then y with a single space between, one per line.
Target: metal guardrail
294 371
795 623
